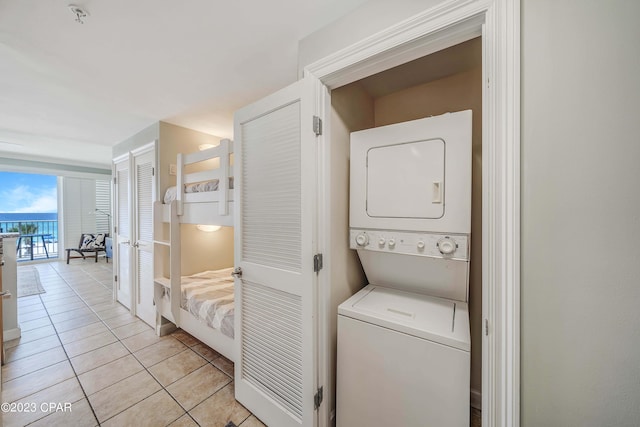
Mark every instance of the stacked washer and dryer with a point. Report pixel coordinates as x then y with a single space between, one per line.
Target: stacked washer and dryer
404 347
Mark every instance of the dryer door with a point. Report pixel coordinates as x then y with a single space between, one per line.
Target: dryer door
414 175
406 180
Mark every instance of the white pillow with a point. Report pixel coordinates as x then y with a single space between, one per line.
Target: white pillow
99 240
88 241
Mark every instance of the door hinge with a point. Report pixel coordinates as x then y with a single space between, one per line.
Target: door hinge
486 327
153 171
115 278
317 125
317 262
317 399
115 180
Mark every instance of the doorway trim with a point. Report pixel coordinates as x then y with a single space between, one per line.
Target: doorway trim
446 24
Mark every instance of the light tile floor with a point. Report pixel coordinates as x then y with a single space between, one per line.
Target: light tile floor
79 348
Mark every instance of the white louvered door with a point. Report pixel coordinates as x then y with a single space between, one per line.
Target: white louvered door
143 197
122 242
275 241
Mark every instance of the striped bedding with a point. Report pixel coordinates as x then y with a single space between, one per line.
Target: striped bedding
209 297
197 187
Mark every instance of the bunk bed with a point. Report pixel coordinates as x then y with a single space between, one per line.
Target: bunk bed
201 304
204 196
204 307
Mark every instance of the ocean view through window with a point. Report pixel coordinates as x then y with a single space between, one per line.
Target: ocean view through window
28 205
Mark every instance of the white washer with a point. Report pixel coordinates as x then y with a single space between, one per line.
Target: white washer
404 360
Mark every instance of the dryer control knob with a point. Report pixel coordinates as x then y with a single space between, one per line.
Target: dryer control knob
381 242
447 246
420 245
392 243
362 239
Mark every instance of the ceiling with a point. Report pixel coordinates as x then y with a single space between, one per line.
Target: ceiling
70 91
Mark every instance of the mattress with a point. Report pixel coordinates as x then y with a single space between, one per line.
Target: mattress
208 296
196 187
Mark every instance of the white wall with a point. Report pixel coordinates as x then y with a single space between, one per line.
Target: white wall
580 213
138 140
370 18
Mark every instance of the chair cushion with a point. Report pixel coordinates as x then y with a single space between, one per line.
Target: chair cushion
99 240
88 241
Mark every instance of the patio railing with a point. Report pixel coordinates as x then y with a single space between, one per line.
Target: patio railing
34 247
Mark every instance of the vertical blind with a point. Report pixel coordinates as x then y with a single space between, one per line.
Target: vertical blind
103 204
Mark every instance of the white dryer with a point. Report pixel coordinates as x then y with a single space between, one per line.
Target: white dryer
403 341
410 204
413 176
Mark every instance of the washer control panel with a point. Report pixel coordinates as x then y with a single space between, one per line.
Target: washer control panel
451 246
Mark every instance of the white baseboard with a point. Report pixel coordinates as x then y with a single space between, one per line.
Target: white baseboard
476 399
165 329
12 334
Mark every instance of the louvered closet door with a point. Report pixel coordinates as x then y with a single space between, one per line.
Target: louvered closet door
144 195
275 371
122 242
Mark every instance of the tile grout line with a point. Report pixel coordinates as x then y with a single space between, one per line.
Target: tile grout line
120 340
67 360
65 350
145 368
57 334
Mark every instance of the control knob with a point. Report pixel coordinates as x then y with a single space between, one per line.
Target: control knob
420 245
447 246
392 243
362 239
381 242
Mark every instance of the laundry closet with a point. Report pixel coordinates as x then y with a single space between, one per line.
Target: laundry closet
291 378
447 81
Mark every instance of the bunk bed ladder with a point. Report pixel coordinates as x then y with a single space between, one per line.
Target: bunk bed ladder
179 185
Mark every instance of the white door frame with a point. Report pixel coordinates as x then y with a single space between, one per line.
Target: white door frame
449 23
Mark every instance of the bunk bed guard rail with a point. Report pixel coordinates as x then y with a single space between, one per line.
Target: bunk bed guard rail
222 174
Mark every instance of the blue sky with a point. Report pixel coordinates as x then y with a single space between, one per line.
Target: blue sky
24 192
